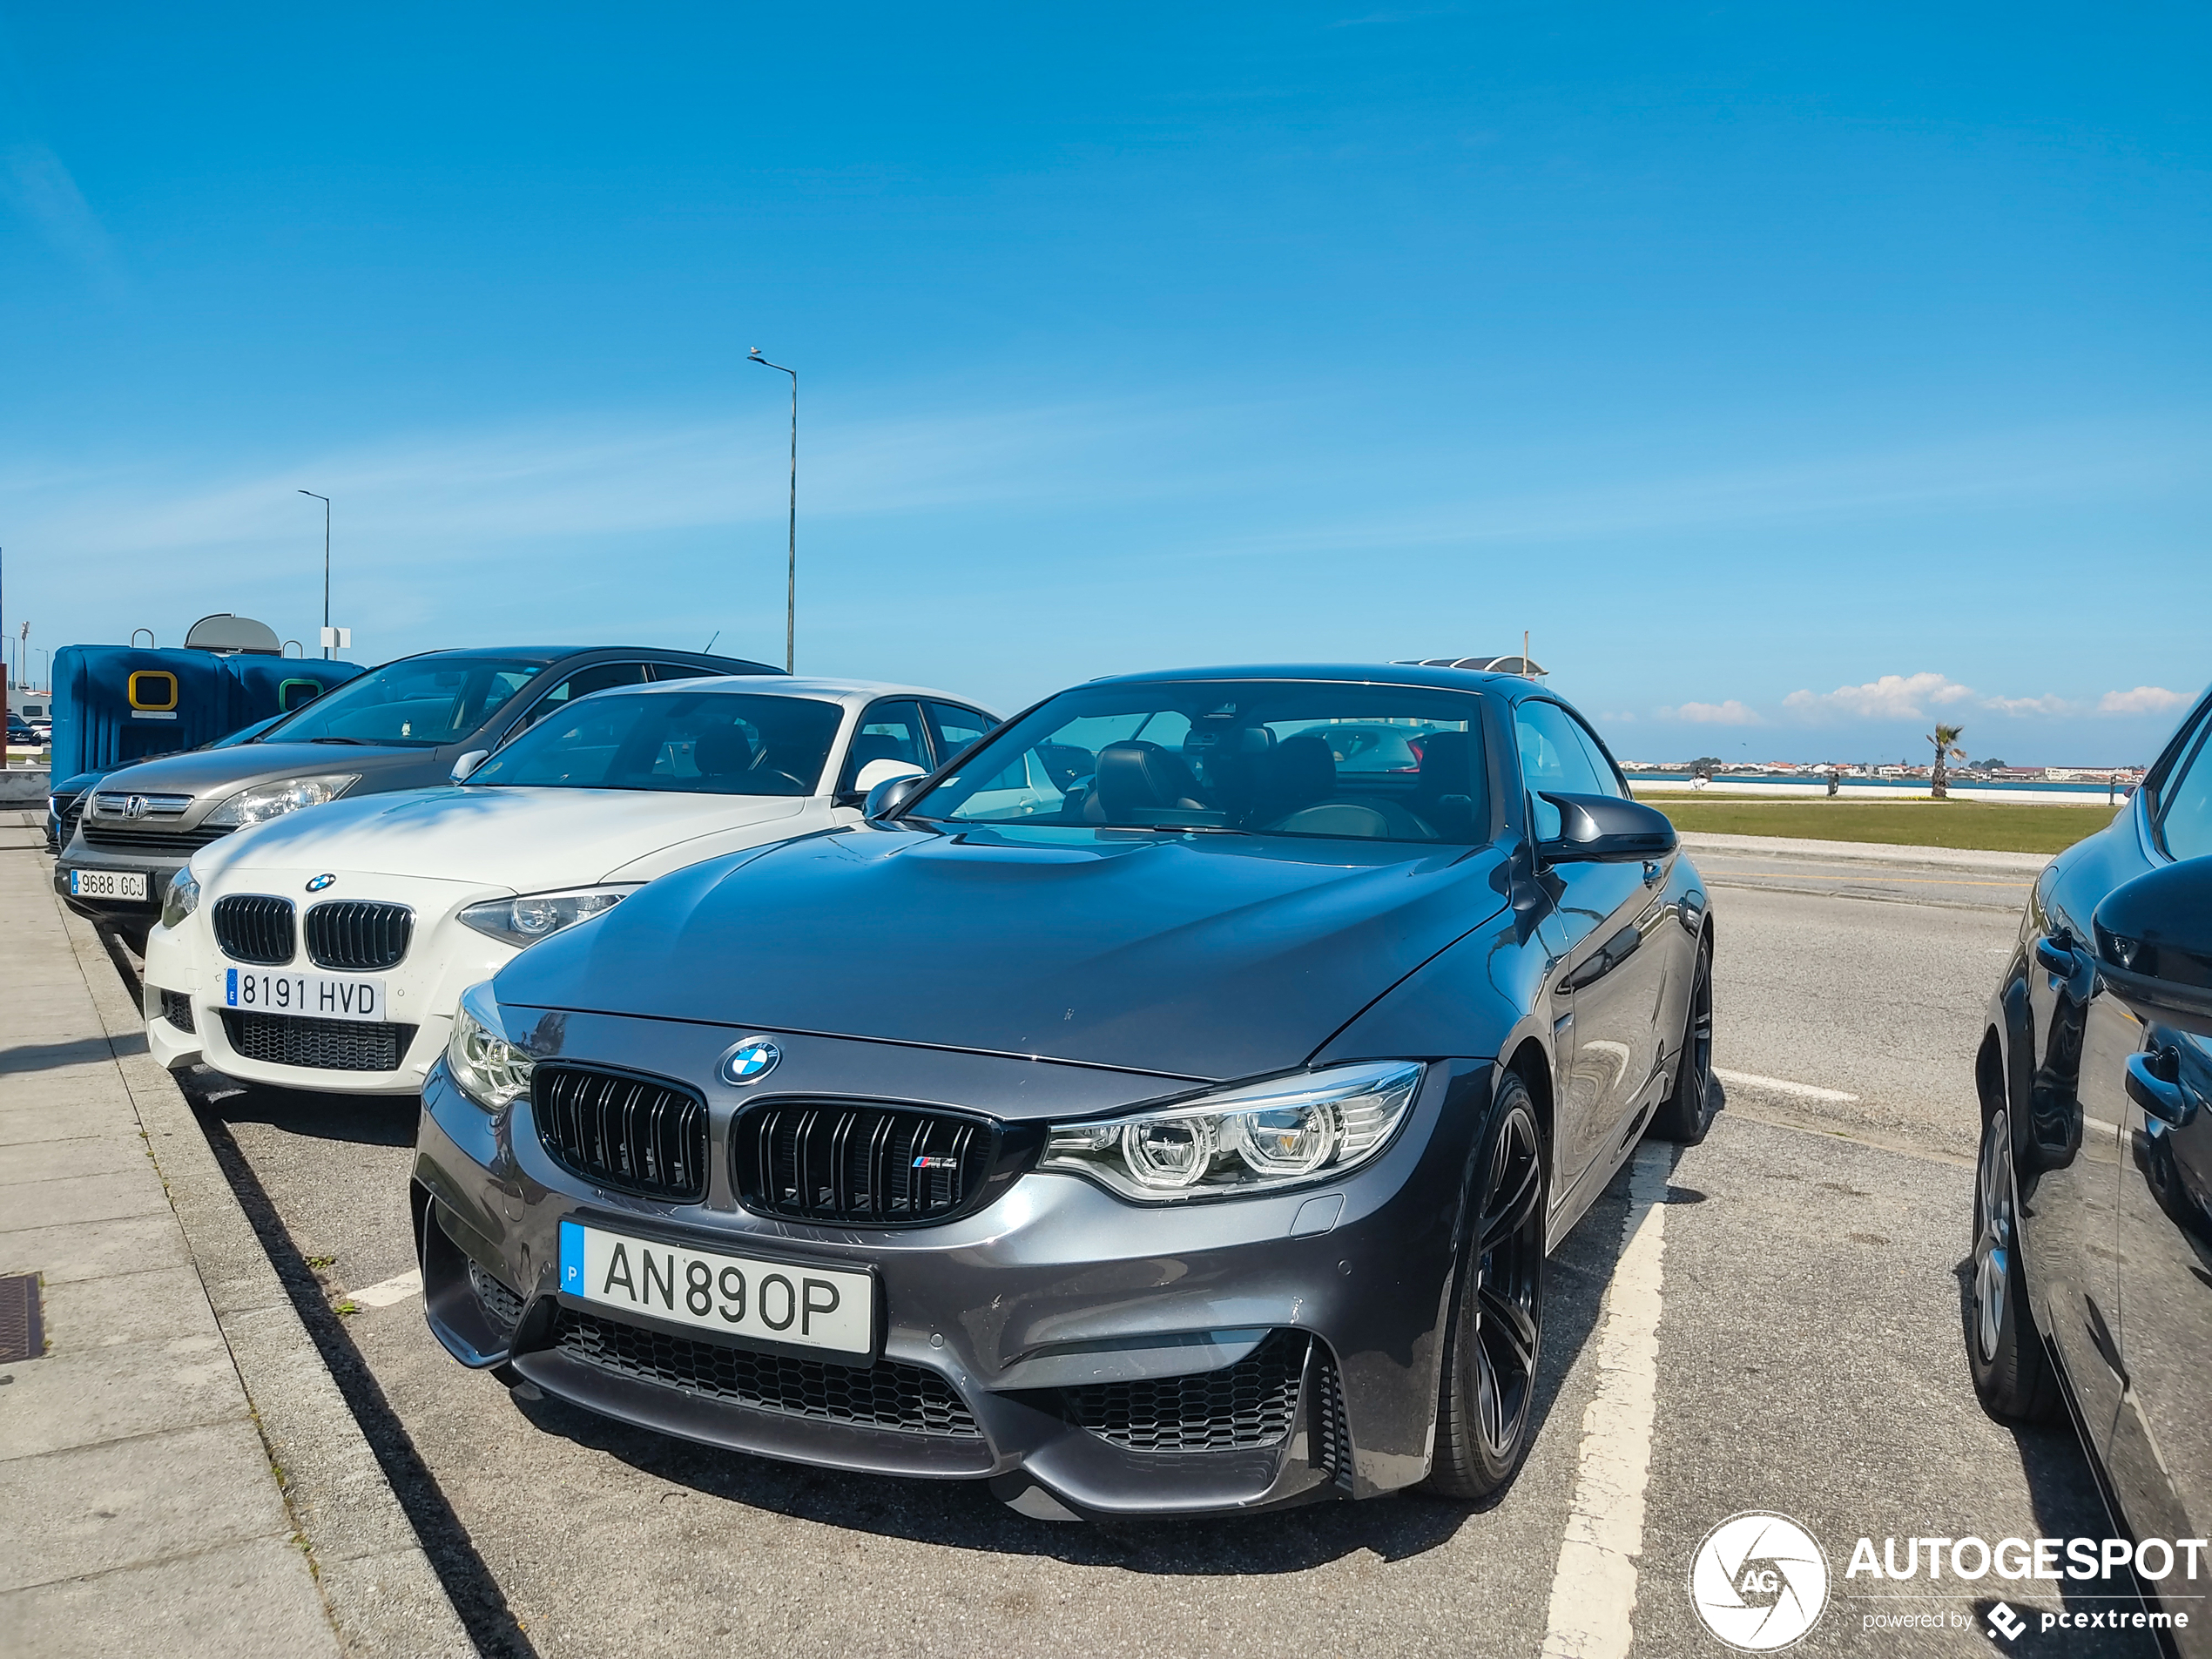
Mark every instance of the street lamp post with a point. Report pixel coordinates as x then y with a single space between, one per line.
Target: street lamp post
790 571
325 500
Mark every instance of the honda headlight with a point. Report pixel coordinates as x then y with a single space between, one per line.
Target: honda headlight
538 915
1254 1138
490 1070
180 899
265 801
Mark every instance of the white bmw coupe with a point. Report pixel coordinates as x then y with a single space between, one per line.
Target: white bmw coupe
325 949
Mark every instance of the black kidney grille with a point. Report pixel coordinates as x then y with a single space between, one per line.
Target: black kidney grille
321 1045
1251 1403
252 927
636 1133
905 1398
354 935
850 1162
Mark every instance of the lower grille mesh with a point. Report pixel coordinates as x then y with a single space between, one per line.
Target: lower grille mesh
176 1008
885 1395
501 1304
1251 1403
321 1045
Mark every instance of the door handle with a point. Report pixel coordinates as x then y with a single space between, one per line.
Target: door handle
2159 1097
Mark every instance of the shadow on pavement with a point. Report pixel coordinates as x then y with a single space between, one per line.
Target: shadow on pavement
360 1120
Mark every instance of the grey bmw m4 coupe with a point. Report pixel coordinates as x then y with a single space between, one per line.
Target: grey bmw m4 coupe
1160 1108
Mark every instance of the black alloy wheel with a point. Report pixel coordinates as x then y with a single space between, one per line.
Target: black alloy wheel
1496 1333
1686 1113
2011 1374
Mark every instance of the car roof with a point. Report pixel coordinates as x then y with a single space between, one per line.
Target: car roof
1450 679
549 655
826 689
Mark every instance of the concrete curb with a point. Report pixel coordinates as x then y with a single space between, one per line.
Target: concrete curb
384 1597
1933 858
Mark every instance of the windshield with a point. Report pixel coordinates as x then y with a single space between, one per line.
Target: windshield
417 704
703 743
1263 757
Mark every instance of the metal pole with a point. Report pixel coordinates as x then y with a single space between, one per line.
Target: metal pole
325 500
790 571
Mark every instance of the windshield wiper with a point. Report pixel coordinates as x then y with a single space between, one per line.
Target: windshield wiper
366 743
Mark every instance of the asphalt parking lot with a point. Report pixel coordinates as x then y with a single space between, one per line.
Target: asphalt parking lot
1795 1310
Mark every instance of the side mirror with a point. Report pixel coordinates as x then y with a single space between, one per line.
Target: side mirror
2155 945
883 772
1605 829
892 793
469 763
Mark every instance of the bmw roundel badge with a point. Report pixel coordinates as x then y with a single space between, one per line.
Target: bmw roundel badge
751 1061
320 882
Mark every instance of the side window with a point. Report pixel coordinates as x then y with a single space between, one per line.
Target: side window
1557 755
2185 815
680 672
889 730
583 683
955 728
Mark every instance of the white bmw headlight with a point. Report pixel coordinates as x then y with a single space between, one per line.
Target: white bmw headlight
181 899
490 1070
262 802
539 915
1254 1138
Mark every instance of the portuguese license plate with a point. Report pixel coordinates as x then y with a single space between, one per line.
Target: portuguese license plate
805 1307
322 996
107 884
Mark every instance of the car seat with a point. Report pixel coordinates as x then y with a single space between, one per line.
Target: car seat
1446 793
1137 779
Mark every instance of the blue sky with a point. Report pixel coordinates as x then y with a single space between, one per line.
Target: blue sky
1797 376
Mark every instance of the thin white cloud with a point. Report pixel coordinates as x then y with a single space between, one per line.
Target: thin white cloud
1731 712
38 186
2144 700
2050 703
1893 697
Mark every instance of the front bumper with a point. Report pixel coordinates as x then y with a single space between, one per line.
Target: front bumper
130 915
1030 1314
183 965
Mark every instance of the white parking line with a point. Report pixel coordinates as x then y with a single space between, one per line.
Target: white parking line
1784 1086
391 1289
1594 1590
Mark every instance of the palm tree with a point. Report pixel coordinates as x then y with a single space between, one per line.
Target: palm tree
1946 747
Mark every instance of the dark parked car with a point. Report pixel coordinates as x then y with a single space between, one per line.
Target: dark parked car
2092 1208
1140 1113
400 726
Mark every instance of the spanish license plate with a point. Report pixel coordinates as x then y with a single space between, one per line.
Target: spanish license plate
806 1307
322 996
107 884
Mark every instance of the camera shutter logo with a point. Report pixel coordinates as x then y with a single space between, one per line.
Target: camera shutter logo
751 1061
1759 1581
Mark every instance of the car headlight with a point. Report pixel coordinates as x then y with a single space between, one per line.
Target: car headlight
265 801
179 898
490 1070
1255 1138
538 915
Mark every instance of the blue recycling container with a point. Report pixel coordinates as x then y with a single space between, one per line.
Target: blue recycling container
114 705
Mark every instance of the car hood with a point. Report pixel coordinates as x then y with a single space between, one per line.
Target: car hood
1198 956
525 839
214 773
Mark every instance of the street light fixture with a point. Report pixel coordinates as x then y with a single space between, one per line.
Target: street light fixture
791 572
325 500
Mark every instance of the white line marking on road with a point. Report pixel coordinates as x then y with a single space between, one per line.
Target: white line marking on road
1784 1086
1594 1590
391 1289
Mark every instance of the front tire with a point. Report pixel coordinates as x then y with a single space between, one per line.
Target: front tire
1487 1399
2012 1373
1685 1115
